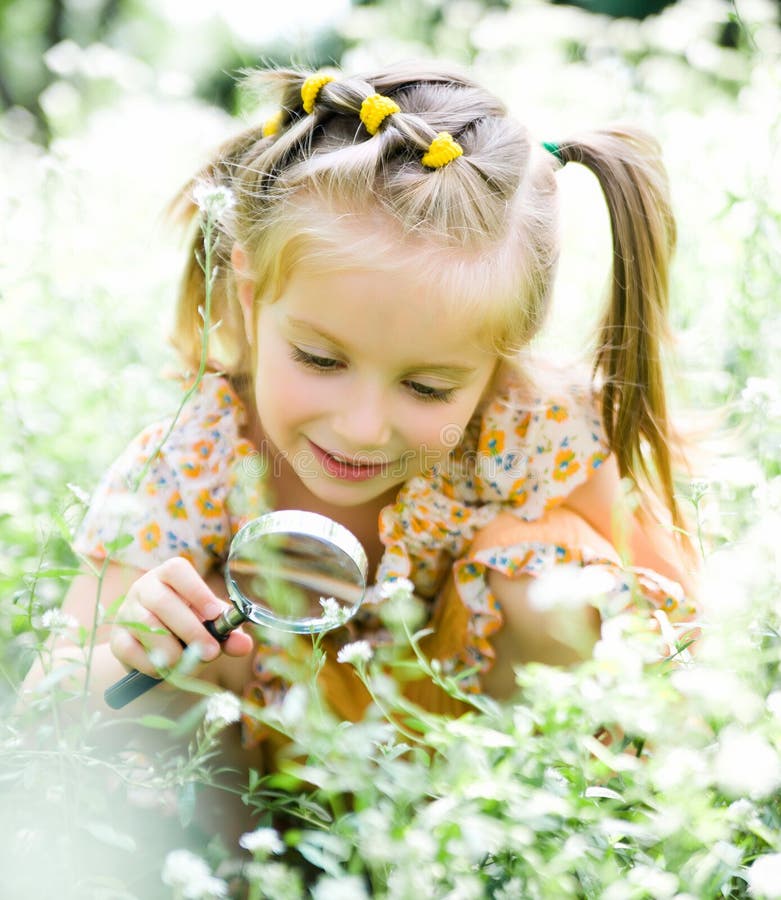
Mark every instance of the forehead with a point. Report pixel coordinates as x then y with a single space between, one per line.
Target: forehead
369 263
387 313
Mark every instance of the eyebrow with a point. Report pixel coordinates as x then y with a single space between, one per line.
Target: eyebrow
443 369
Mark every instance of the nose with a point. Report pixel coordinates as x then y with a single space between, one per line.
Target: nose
362 422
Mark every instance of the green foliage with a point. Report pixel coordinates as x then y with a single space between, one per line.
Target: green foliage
514 800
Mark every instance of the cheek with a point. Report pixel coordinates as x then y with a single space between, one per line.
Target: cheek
283 390
440 427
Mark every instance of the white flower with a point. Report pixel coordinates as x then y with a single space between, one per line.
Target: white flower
682 766
570 587
401 607
262 841
278 881
213 200
334 614
57 620
349 887
294 706
206 889
746 764
773 703
356 653
511 890
391 588
224 707
188 872
764 876
657 883
719 692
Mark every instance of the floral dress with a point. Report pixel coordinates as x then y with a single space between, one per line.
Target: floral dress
185 491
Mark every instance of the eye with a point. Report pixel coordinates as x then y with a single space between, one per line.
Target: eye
318 363
430 394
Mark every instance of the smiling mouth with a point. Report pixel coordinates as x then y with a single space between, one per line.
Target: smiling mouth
346 469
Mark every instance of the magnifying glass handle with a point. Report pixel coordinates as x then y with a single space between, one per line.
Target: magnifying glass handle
128 688
136 683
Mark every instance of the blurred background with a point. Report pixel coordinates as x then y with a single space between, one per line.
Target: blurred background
107 107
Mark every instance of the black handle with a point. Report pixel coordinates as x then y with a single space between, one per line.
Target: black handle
128 688
214 629
136 683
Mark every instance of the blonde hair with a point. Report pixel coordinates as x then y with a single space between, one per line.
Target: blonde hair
485 225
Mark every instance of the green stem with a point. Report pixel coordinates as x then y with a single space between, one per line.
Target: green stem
209 243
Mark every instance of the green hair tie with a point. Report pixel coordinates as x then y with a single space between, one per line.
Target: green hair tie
555 149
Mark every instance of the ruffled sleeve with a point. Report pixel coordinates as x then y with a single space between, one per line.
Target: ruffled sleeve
166 495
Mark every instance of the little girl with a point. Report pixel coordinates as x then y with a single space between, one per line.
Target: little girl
385 255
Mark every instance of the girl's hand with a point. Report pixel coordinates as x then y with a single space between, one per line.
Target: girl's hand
169 604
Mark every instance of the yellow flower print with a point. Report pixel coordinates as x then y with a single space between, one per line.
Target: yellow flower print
596 460
208 506
523 426
492 441
214 544
557 413
468 572
563 554
175 506
518 493
553 502
191 468
149 537
188 555
565 465
225 398
203 449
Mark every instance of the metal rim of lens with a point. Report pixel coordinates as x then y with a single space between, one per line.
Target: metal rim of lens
306 524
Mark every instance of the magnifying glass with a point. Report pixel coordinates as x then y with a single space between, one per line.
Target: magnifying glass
292 570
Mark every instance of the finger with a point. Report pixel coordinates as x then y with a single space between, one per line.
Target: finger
174 613
181 576
130 652
239 643
138 616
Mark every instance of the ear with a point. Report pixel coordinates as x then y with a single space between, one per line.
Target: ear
245 289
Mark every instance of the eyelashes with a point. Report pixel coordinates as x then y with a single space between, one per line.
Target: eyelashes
318 363
327 365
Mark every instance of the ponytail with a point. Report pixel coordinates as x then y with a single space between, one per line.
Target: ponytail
634 327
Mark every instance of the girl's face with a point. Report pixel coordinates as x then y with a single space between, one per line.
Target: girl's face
363 379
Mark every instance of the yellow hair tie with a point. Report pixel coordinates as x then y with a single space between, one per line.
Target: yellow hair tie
375 109
442 150
311 88
272 125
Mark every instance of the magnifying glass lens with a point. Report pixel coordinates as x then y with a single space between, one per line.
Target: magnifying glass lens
296 571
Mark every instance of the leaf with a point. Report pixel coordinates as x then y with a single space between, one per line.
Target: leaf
162 723
119 543
20 623
107 834
62 572
186 803
56 676
324 850
79 493
607 793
